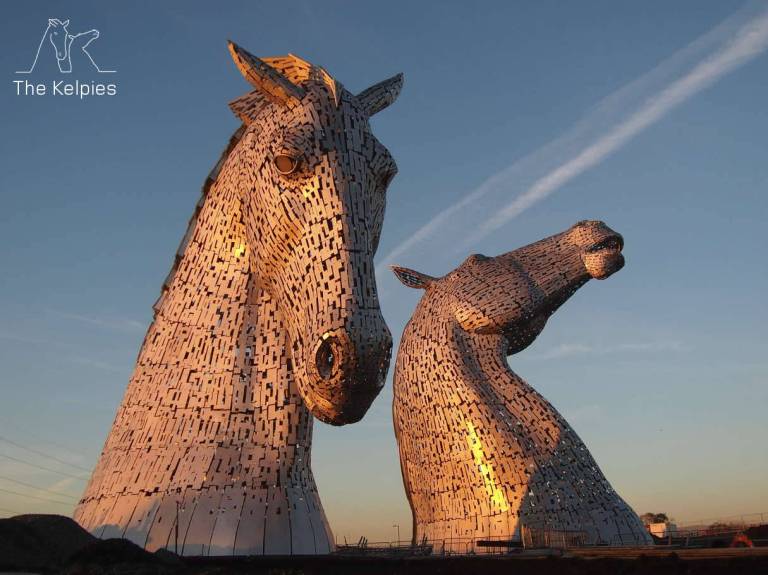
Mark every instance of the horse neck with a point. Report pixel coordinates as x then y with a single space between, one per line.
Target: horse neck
443 404
485 360
471 370
224 326
465 358
454 390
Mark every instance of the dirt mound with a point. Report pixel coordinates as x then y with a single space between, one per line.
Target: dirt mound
61 533
39 542
119 556
21 548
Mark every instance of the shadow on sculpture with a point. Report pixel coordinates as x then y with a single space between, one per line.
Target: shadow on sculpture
269 315
483 455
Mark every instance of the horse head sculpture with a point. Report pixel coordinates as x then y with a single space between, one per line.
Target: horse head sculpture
483 455
313 204
514 293
270 315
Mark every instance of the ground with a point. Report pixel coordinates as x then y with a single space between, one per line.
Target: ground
55 544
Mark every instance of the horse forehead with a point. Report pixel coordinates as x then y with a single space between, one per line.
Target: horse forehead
344 130
330 106
317 111
478 267
482 279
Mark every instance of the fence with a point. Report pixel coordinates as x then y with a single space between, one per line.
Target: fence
718 534
530 538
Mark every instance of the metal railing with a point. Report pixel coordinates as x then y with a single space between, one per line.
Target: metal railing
531 538
545 540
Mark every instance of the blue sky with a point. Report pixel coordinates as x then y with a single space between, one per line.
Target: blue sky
661 369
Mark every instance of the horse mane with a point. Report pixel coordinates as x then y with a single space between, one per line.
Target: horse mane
298 71
189 233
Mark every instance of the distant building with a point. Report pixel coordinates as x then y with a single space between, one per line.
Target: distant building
664 529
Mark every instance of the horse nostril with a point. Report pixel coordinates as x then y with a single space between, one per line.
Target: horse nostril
325 359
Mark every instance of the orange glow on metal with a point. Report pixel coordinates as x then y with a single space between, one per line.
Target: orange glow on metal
486 469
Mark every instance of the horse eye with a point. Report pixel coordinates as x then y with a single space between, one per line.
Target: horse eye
286 164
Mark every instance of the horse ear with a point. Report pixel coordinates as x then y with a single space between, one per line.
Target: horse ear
265 78
381 95
65 23
248 106
52 21
411 278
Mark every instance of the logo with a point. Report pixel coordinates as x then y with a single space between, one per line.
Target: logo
70 50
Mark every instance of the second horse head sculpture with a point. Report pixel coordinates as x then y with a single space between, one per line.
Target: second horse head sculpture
483 455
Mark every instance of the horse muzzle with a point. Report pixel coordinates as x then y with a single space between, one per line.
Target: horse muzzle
346 369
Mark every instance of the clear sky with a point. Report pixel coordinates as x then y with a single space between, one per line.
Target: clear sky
648 115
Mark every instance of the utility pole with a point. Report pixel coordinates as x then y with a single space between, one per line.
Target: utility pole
398 533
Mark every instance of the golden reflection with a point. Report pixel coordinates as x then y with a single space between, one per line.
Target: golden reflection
486 469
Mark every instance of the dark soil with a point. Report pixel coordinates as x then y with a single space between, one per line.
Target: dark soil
39 542
55 544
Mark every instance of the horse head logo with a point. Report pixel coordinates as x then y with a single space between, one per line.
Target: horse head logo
64 45
58 36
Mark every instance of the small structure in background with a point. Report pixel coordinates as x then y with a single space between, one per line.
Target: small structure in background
748 530
659 524
662 529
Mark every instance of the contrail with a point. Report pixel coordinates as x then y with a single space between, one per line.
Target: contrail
750 41
730 45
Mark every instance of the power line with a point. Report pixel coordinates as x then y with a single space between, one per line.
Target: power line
26 433
35 497
80 477
38 488
49 456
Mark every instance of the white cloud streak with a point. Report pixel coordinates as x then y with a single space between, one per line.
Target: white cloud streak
577 349
750 41
611 124
111 323
98 364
